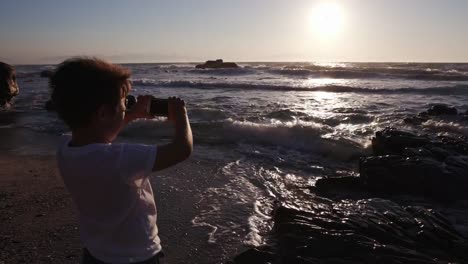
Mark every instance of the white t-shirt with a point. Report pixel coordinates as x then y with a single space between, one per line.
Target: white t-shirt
110 187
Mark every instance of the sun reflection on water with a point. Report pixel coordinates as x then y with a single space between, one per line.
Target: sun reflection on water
320 82
331 64
339 115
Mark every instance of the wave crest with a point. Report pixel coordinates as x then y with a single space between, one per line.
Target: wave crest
449 90
352 71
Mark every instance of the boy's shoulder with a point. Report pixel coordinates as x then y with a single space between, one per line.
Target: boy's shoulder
132 162
121 149
64 146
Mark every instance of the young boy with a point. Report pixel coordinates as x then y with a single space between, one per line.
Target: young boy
108 181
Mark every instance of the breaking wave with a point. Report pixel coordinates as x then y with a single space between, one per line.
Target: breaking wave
364 71
448 90
307 137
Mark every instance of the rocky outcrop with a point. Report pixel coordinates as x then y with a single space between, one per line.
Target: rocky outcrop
405 163
363 231
442 109
435 111
8 85
423 176
217 64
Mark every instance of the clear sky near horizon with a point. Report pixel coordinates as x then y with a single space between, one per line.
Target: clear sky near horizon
48 31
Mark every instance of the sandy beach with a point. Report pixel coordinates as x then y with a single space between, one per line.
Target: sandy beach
39 221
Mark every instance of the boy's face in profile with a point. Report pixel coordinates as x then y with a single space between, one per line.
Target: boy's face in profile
112 118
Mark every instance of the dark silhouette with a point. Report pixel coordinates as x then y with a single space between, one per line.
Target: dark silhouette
8 85
217 64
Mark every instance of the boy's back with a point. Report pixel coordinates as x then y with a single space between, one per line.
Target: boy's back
110 186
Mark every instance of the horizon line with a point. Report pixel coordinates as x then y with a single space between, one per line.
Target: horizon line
241 62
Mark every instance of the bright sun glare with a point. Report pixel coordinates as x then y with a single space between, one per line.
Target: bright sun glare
327 19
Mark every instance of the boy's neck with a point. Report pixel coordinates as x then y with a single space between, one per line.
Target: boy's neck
86 136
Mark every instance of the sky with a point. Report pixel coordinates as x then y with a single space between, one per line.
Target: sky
48 31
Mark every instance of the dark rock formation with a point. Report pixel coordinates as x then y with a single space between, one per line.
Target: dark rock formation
422 176
348 183
405 163
217 64
437 110
8 85
363 231
391 141
442 109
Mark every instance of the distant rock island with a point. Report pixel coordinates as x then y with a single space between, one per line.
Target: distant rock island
217 64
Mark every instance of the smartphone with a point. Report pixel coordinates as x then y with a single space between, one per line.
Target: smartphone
159 107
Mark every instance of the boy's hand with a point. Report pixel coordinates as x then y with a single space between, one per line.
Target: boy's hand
141 108
182 145
176 110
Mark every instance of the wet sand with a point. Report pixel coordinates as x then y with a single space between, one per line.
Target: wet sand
38 223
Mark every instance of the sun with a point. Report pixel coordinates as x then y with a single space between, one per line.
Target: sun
327 19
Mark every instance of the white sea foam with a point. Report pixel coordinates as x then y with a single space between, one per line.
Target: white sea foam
307 136
442 126
236 209
258 222
197 222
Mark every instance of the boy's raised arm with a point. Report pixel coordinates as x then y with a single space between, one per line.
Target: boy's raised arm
182 145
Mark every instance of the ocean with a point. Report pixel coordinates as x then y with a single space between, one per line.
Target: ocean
268 130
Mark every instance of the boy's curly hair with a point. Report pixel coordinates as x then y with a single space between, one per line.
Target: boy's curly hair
6 71
81 85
